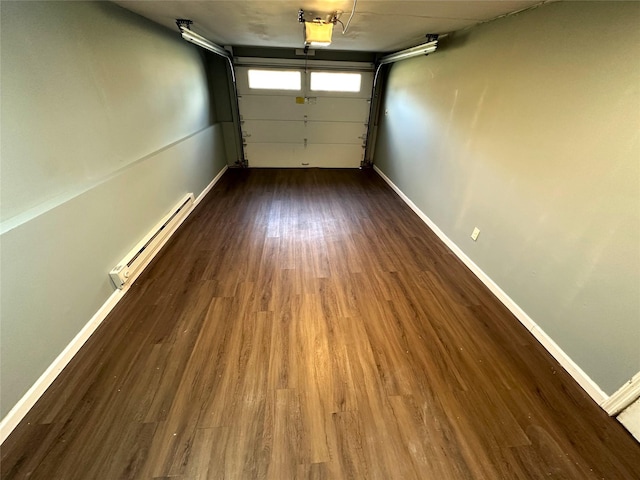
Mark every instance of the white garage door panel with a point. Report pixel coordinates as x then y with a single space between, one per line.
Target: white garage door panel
270 107
273 131
279 155
339 109
335 156
277 131
335 132
303 128
285 108
274 155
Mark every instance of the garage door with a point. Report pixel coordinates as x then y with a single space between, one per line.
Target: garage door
292 117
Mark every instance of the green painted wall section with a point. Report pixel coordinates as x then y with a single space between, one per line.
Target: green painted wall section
528 128
106 123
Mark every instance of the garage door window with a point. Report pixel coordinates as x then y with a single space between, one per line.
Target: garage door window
275 80
335 82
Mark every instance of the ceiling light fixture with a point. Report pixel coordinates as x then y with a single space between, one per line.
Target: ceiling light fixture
184 26
190 36
424 49
318 33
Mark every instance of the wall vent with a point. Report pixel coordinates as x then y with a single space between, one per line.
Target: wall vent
137 259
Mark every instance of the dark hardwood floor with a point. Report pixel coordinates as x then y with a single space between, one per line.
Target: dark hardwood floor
306 324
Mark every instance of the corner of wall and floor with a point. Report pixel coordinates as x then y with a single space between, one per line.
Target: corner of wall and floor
517 129
107 121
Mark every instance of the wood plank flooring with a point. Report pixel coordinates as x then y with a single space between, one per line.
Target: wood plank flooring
306 324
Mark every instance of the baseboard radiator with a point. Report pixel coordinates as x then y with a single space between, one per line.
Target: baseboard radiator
137 259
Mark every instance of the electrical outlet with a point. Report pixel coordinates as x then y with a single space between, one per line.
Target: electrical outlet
475 233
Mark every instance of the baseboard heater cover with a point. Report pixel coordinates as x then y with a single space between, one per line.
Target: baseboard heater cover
132 264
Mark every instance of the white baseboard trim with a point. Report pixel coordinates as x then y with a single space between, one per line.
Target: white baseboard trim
20 409
29 399
594 391
625 396
208 188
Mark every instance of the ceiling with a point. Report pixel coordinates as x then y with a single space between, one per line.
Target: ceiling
377 26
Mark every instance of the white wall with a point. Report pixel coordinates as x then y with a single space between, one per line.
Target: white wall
106 124
528 128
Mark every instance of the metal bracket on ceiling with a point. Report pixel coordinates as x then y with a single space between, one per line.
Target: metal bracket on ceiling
333 17
183 24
